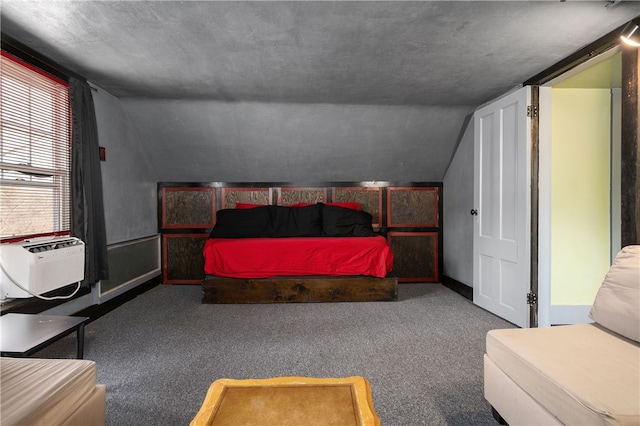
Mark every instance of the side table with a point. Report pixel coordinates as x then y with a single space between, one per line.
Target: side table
23 334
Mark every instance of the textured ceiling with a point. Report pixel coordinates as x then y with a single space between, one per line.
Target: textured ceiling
300 90
383 53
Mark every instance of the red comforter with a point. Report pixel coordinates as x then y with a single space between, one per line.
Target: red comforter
272 257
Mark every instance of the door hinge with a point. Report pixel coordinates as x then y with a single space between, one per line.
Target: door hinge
532 298
532 111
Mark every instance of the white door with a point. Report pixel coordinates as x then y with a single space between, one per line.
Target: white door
501 237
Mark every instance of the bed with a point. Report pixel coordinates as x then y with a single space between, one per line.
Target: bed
302 253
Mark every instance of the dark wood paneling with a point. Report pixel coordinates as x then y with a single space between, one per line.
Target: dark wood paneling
231 196
535 194
299 290
412 207
630 149
188 207
183 262
415 256
289 196
370 199
581 56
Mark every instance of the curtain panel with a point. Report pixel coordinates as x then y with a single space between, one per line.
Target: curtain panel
88 222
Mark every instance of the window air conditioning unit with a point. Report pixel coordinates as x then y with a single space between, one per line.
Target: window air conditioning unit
40 265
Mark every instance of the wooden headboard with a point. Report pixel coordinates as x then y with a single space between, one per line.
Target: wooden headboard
409 215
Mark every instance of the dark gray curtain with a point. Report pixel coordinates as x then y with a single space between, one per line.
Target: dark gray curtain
86 183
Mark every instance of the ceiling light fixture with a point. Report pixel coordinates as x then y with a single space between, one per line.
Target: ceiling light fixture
631 33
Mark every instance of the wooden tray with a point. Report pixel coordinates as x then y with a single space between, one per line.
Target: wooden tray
288 401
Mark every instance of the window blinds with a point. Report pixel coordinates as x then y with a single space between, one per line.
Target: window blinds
35 151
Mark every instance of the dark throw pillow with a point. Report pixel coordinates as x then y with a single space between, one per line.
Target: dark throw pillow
343 222
303 221
242 223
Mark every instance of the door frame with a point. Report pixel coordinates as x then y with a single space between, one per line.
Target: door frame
549 314
629 208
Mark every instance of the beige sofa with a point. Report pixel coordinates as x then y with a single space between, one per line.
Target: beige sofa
50 392
583 374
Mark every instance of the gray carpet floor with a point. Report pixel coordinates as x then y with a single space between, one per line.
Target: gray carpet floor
159 353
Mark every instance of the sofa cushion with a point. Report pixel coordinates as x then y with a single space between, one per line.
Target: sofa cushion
583 374
617 303
43 391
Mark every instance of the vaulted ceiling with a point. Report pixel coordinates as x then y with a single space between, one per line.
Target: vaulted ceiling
424 65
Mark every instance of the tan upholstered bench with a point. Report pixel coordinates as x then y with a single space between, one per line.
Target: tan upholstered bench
581 374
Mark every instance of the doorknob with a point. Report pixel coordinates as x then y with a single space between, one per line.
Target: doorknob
474 212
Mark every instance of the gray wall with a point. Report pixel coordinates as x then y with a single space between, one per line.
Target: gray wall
458 222
128 178
150 140
129 189
202 140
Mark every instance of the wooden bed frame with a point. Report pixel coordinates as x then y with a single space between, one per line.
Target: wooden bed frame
299 289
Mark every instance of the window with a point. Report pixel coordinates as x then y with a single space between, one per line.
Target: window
35 151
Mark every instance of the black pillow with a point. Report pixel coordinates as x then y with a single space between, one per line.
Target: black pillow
296 221
343 222
242 223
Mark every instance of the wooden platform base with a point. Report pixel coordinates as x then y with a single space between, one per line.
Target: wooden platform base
299 289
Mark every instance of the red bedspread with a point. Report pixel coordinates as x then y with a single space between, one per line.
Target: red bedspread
272 257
